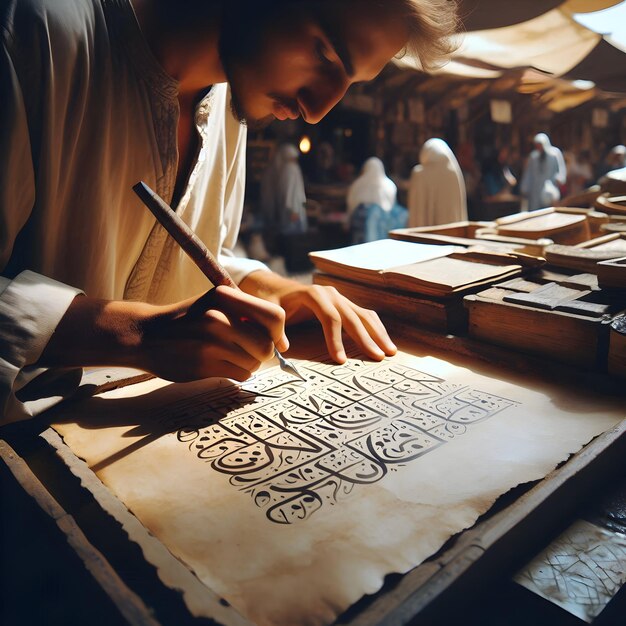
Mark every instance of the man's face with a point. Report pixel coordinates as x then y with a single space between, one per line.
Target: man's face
303 67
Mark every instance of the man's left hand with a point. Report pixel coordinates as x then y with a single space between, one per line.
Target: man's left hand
335 312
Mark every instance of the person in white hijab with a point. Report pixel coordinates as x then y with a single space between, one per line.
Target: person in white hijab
371 202
436 188
545 172
373 186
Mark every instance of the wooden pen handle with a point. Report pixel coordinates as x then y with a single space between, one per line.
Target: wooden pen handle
194 247
184 236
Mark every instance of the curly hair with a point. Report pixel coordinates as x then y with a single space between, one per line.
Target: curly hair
432 25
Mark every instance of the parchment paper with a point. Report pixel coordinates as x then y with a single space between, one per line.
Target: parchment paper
293 500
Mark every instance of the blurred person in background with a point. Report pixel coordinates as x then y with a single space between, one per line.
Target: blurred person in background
372 204
497 178
614 160
436 188
290 194
544 175
579 171
283 197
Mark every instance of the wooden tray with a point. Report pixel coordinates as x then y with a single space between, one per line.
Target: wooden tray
613 205
583 200
585 256
484 237
465 229
567 227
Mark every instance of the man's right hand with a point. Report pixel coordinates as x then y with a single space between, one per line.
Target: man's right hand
225 332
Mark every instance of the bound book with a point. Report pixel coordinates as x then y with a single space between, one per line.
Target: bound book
438 271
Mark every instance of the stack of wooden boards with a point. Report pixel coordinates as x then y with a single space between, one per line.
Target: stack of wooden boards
560 316
479 277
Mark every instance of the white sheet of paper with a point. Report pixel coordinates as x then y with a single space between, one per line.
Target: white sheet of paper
292 500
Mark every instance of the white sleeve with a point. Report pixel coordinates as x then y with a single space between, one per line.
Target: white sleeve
31 307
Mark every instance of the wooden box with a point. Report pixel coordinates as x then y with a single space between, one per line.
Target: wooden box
567 321
612 274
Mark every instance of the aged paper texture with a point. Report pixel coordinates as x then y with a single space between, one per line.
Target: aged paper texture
292 500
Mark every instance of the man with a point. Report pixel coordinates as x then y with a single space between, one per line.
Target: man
96 95
544 175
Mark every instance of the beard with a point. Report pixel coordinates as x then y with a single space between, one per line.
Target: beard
236 105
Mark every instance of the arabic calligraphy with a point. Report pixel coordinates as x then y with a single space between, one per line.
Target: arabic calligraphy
295 446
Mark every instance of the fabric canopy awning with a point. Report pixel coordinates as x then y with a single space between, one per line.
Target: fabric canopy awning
551 41
605 65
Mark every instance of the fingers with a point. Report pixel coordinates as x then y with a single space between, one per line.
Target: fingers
228 369
376 330
317 300
240 307
208 336
242 338
336 313
356 328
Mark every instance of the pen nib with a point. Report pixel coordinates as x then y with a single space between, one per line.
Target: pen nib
288 366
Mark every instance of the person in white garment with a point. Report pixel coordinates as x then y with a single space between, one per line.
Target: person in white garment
283 197
290 193
371 204
436 187
544 174
372 186
96 95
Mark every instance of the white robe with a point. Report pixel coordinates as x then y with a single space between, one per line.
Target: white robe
283 197
86 112
544 172
436 188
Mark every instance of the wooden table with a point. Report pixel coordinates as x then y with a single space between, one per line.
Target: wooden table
467 581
